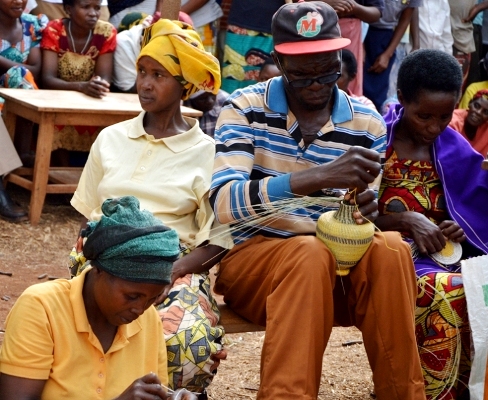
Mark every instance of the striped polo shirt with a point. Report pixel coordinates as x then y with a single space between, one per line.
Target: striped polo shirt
259 145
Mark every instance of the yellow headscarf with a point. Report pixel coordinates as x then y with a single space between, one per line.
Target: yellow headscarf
178 48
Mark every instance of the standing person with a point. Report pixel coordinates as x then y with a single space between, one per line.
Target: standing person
380 45
77 54
462 34
166 160
293 136
431 191
351 24
96 336
435 26
473 122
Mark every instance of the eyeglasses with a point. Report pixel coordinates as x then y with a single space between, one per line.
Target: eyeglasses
321 80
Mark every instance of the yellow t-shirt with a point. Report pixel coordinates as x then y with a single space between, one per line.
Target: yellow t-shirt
171 177
48 337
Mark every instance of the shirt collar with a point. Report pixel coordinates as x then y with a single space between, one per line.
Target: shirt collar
177 143
275 100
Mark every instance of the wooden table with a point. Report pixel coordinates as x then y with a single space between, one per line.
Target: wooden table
61 107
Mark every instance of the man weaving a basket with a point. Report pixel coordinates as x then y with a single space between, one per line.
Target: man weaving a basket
281 145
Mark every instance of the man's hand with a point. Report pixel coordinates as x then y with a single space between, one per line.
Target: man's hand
367 206
355 169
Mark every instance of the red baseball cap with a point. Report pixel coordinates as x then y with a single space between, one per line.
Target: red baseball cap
305 28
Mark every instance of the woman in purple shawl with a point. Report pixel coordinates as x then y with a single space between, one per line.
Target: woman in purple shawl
433 191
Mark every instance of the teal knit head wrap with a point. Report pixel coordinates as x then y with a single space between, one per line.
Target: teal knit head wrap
130 243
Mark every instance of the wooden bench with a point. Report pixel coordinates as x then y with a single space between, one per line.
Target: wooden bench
234 323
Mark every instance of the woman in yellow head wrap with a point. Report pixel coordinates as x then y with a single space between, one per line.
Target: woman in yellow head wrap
165 160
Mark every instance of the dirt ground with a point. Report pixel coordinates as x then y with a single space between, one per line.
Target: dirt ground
36 254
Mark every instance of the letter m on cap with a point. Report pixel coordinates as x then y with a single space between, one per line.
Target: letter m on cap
309 25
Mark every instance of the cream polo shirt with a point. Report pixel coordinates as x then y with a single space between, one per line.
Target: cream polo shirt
48 337
170 177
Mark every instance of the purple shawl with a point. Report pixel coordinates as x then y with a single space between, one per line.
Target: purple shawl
465 183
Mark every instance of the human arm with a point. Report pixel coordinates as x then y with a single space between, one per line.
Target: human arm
15 388
382 61
33 63
428 236
367 14
193 5
477 8
339 6
26 356
415 30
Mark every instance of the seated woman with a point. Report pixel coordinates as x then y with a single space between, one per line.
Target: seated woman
432 191
166 161
473 122
77 54
97 332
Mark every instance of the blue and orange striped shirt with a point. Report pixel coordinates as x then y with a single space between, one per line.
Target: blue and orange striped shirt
259 145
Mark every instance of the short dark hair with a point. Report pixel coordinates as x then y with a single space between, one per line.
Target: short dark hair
431 70
350 62
70 3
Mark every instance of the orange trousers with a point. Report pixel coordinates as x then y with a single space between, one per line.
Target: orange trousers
288 286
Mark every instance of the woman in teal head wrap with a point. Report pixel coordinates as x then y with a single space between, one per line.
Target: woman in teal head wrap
99 330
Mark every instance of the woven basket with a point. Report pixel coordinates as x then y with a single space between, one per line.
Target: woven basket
347 240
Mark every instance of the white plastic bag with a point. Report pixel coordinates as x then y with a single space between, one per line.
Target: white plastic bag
475 281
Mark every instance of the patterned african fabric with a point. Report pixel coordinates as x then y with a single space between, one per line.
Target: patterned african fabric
193 339
32 27
443 334
76 67
244 54
409 185
17 77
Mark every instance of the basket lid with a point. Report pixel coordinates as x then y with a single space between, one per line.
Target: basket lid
450 254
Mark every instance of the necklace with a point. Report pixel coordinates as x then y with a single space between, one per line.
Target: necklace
73 42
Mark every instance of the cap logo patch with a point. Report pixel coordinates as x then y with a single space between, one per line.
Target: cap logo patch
310 24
